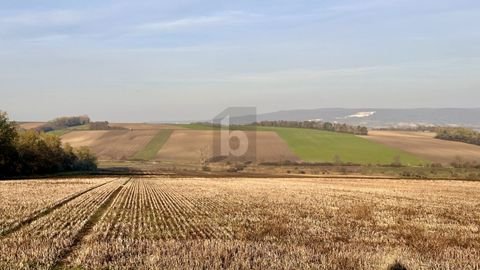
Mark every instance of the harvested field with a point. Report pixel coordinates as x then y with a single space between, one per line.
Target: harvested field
425 145
190 146
145 126
30 125
111 144
20 200
40 244
162 223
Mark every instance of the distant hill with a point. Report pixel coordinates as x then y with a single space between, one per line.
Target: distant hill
378 118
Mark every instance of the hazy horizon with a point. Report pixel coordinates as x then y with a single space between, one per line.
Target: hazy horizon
260 113
148 61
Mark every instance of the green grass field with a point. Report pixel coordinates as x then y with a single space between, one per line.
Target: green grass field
323 146
61 132
152 148
196 126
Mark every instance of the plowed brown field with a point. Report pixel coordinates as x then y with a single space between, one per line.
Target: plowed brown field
191 145
111 144
145 126
425 145
31 125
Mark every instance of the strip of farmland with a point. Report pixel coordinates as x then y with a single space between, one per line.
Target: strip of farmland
113 144
426 146
150 151
191 146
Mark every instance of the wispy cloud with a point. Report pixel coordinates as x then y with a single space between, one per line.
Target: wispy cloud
199 21
292 75
363 5
35 18
46 39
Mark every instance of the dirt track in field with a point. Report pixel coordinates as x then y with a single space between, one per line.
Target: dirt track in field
111 144
191 145
425 145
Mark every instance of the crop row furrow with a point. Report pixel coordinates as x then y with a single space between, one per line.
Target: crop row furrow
187 216
39 250
168 215
85 231
161 224
198 212
111 215
15 225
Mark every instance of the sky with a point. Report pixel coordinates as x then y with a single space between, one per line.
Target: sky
140 61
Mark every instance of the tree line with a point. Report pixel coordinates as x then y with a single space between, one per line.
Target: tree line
75 121
327 126
103 125
417 128
465 135
458 134
64 122
31 152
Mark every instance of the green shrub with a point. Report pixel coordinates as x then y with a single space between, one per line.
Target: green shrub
32 152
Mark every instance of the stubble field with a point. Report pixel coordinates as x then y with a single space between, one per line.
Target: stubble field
22 199
163 223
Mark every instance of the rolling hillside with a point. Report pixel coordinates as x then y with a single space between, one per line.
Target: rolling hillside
187 143
426 146
190 146
324 146
111 144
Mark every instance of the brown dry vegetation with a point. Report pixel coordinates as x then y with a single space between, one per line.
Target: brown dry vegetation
190 145
38 245
31 125
161 223
112 144
424 145
21 199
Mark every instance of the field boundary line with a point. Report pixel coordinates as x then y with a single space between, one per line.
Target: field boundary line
151 149
88 227
48 210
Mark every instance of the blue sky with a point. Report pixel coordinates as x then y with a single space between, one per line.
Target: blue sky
176 60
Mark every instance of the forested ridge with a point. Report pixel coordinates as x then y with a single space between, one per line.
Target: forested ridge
327 126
